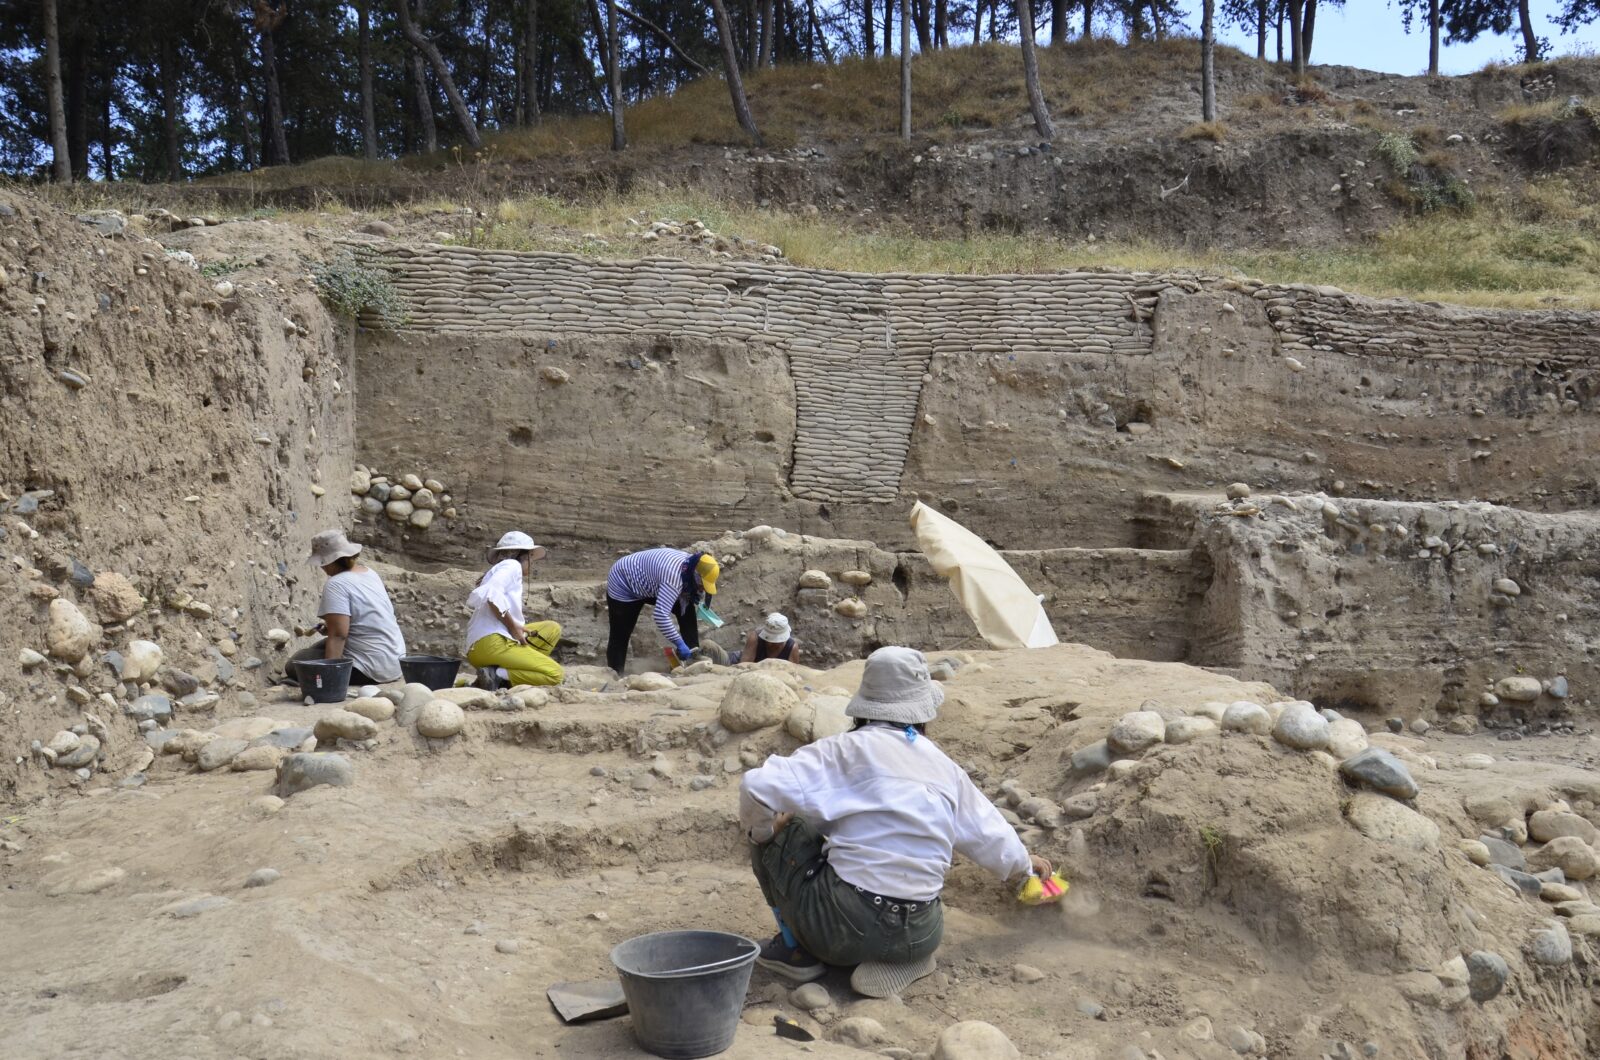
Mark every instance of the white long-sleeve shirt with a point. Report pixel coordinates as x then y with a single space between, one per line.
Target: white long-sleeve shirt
502 588
892 810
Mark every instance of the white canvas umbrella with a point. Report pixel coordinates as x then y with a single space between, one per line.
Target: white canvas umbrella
1005 610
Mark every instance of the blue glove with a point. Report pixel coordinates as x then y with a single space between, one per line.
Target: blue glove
682 648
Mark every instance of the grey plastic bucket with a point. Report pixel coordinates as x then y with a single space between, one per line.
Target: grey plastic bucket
685 989
435 671
324 680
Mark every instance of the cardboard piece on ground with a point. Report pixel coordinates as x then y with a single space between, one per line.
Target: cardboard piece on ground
598 999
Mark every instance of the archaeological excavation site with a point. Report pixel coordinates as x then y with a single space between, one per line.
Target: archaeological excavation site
1316 753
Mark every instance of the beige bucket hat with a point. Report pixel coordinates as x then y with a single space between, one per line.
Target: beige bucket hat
332 545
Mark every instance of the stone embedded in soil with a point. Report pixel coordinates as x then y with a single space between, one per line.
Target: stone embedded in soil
1188 729
650 682
1546 825
507 946
1379 817
860 1032
1346 738
974 1040
219 753
1575 858
262 878
1026 973
1377 768
344 725
1301 727
1136 731
68 634
811 997
818 717
1244 1041
141 661
63 742
1519 689
1476 852
440 720
1559 892
193 907
1095 758
1524 883
256 759
91 882
298 772
754 701
1486 975
1551 946
814 579
1247 717
1503 853
86 752
373 708
154 706
466 698
1198 1029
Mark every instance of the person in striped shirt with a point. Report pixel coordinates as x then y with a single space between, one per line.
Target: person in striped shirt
669 581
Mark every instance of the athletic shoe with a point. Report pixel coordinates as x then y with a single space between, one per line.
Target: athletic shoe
883 979
488 678
790 962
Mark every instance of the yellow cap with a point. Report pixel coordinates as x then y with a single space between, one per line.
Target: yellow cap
708 570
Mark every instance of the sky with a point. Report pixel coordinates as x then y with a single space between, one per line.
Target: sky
1372 35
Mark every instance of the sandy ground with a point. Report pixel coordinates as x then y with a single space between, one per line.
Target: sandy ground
381 935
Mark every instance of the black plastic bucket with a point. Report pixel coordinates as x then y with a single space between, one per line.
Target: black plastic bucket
324 680
435 671
685 989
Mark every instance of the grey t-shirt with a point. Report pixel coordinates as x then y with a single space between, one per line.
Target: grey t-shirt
375 643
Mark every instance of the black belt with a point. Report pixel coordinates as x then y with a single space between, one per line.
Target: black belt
894 904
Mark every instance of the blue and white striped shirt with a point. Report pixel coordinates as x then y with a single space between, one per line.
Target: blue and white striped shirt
655 573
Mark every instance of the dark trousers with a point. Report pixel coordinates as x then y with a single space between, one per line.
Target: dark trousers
317 651
624 615
831 919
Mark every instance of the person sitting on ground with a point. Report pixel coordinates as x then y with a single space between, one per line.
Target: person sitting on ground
854 834
499 644
773 639
356 615
671 581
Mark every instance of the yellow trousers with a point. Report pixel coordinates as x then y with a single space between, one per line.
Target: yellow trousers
528 664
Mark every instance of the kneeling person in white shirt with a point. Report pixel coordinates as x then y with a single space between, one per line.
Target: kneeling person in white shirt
854 834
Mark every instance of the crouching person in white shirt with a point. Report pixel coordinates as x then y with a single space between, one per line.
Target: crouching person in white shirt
854 834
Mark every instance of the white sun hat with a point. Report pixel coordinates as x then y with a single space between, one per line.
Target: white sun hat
517 541
775 630
896 687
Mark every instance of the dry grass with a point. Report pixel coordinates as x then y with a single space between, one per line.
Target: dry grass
1214 131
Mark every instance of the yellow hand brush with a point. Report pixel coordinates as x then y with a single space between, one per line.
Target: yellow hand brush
1037 891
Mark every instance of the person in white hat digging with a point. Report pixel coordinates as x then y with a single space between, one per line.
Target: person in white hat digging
773 639
504 648
854 834
357 615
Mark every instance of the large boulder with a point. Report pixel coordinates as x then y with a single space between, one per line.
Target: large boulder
1247 717
1546 825
754 701
344 725
818 716
974 1040
115 598
1188 729
440 720
1519 689
298 772
218 753
1576 859
1378 769
1136 731
1346 738
1301 727
374 708
68 634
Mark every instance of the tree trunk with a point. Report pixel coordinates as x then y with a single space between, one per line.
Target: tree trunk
730 62
868 46
888 27
1280 31
1030 72
441 72
108 133
274 134
905 70
1296 49
61 162
941 23
1208 60
1088 19
1433 38
171 150
1157 25
769 16
1530 41
77 104
425 122
530 69
1058 21
1261 30
369 118
924 20
619 136
1308 25
752 33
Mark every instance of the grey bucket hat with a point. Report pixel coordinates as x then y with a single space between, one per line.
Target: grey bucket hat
331 545
896 687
